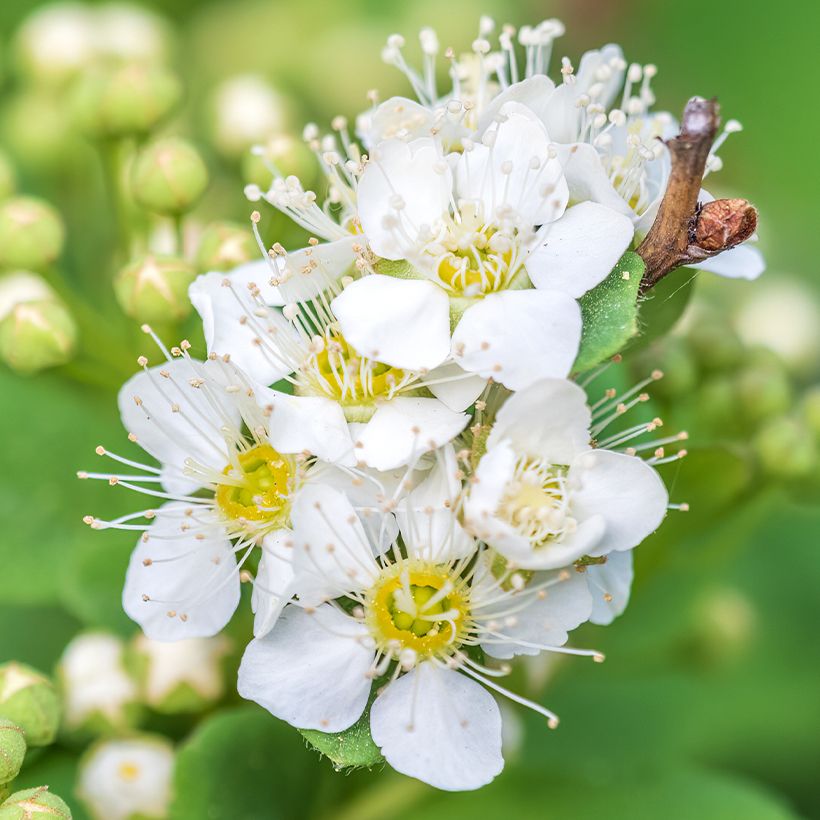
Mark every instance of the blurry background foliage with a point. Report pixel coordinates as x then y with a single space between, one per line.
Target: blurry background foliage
708 704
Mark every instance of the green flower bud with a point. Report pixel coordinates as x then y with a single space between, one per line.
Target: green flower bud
22 286
31 233
30 700
786 448
34 803
716 346
225 245
810 409
290 156
130 100
12 750
155 289
8 182
169 176
37 335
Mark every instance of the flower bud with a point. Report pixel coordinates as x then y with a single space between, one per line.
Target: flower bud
127 778
246 111
155 289
32 803
786 448
291 157
128 33
31 233
183 676
169 176
12 750
30 700
22 286
224 246
8 181
128 101
99 695
37 335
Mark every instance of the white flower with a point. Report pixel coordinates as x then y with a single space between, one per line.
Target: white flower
375 413
414 614
174 669
544 498
95 682
121 779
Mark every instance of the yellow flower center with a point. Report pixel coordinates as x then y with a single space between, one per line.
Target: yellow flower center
258 487
128 771
421 608
477 269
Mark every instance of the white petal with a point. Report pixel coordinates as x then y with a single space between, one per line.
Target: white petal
411 175
306 273
194 579
534 93
404 428
174 421
230 321
454 386
332 554
313 424
272 587
561 114
610 584
742 262
401 322
543 616
623 489
428 525
398 117
580 249
504 174
440 727
310 671
589 66
549 419
588 180
518 337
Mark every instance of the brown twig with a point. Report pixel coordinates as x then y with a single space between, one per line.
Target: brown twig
685 231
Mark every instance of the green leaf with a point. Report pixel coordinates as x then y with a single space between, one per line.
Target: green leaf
662 306
35 635
353 748
244 764
610 313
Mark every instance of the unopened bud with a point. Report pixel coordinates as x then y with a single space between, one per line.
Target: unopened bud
724 223
34 803
131 100
31 233
30 700
786 448
183 676
37 335
155 289
169 176
22 286
287 155
99 694
12 750
224 246
127 778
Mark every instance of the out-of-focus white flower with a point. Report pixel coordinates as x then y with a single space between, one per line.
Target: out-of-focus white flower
182 675
99 692
122 779
130 33
246 111
21 286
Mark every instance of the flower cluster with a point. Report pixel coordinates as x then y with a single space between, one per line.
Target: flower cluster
387 437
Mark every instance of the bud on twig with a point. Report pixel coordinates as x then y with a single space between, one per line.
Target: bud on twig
12 750
29 699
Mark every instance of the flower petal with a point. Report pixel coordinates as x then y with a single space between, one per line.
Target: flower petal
403 429
179 585
518 337
580 249
440 727
306 273
310 671
742 262
587 178
174 421
534 92
550 419
397 117
626 491
231 322
610 584
273 582
332 554
454 386
401 322
410 175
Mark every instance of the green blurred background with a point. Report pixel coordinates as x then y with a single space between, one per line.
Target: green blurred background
709 703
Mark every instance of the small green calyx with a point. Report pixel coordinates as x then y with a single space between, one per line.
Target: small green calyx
12 750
